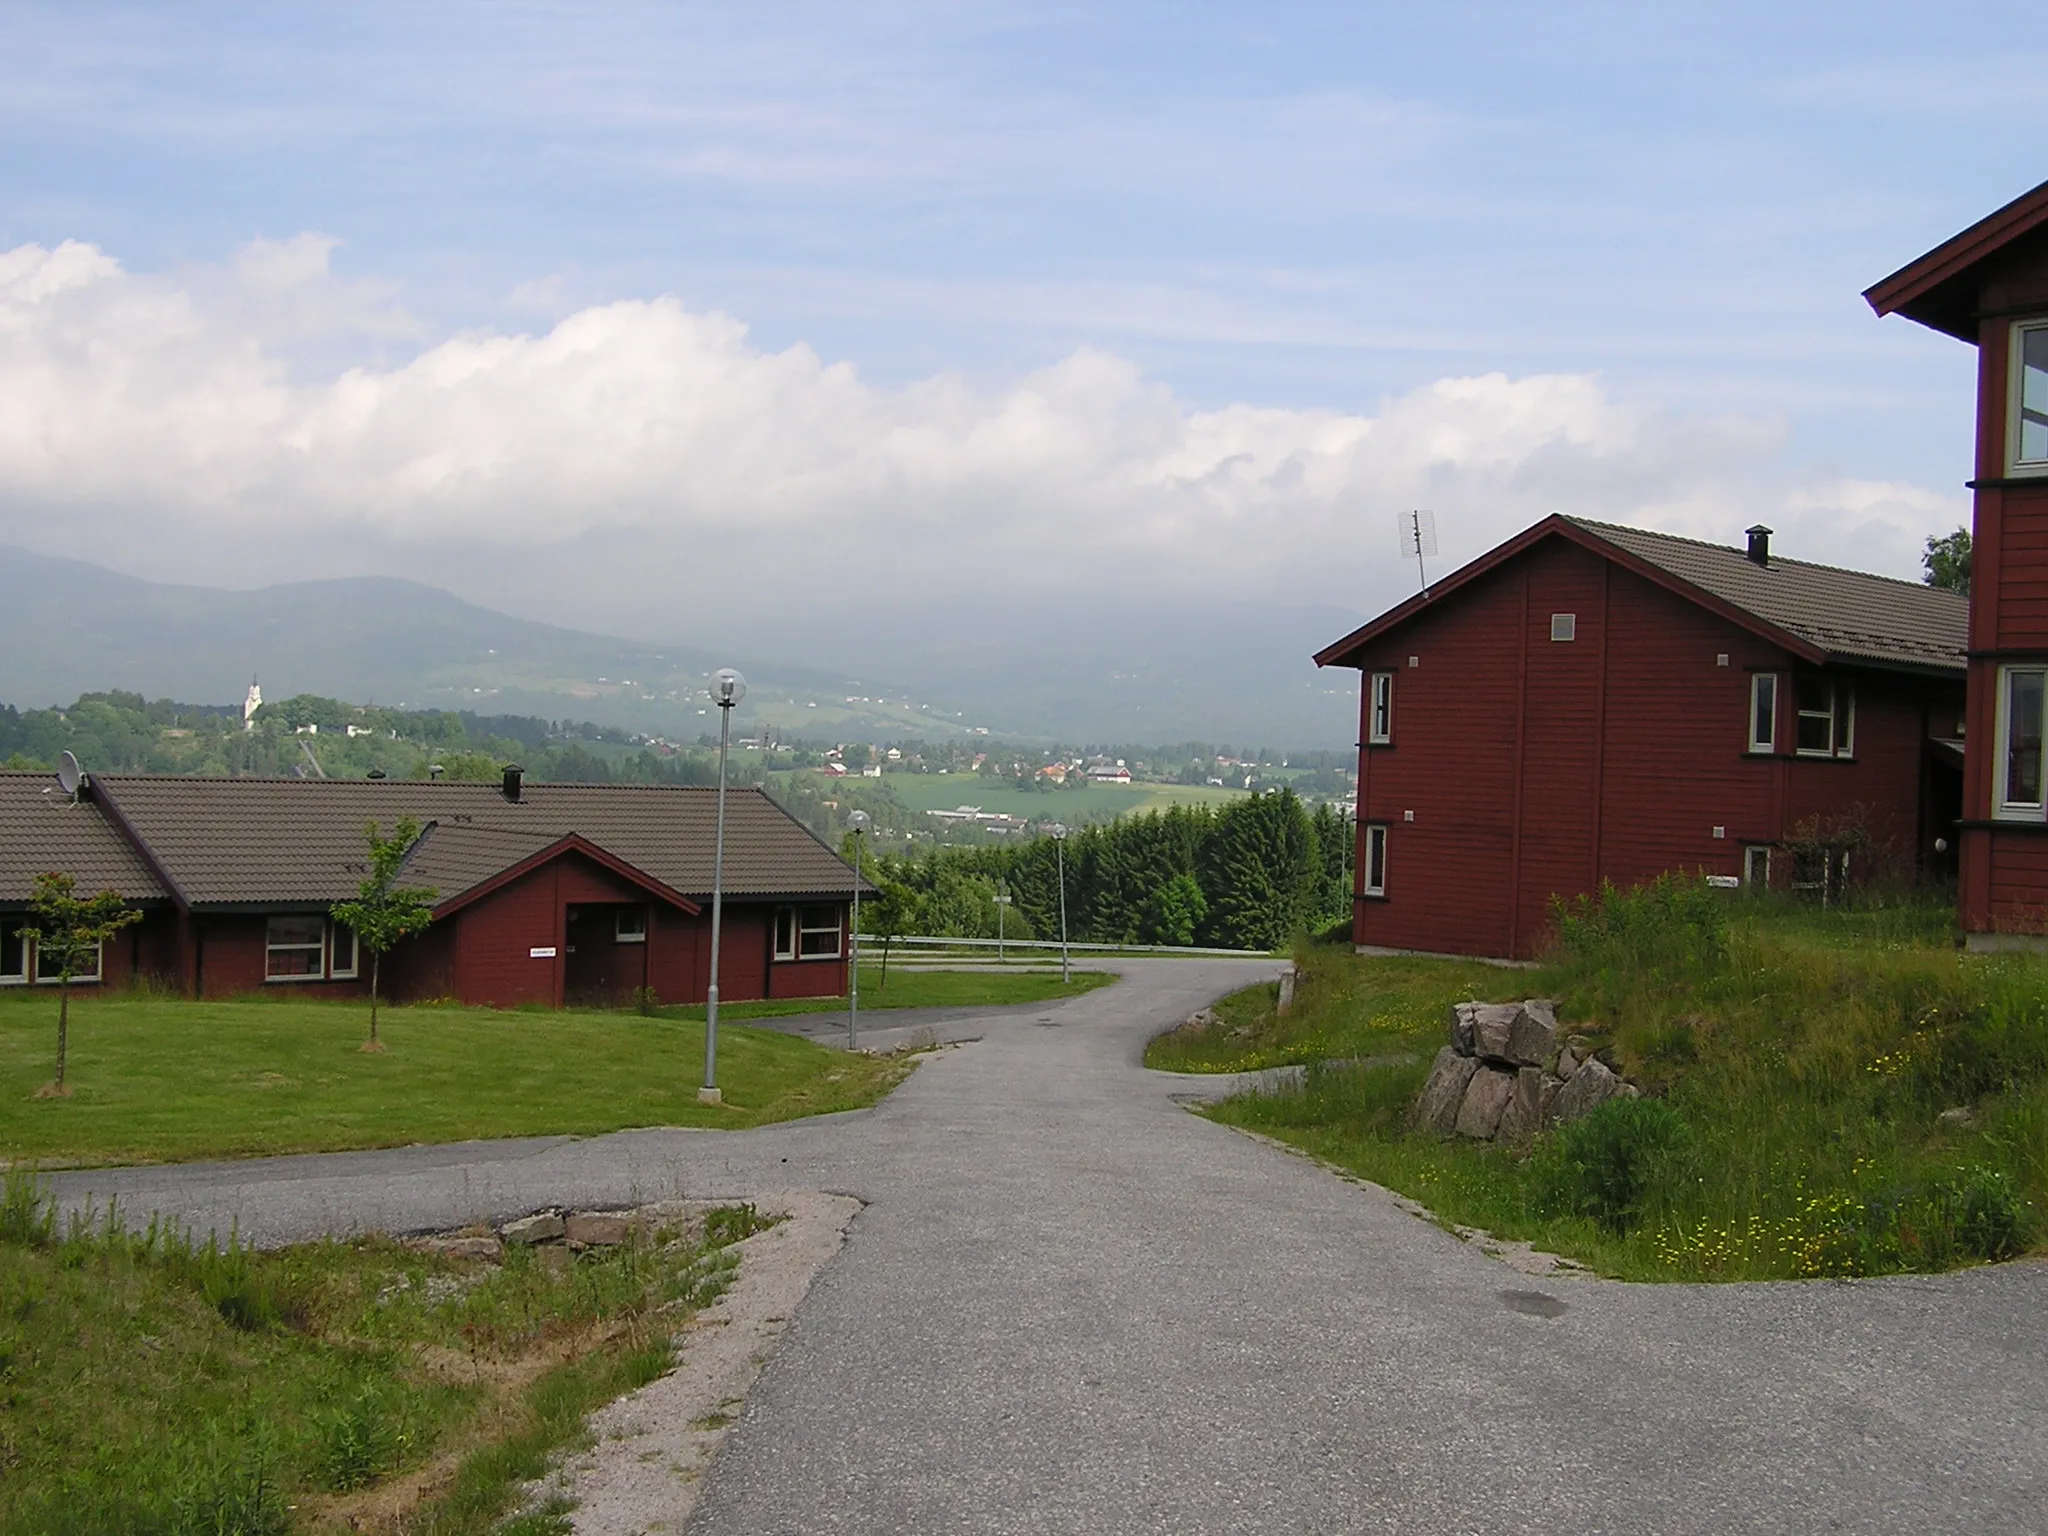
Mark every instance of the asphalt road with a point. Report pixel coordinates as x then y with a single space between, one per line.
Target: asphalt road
1071 1306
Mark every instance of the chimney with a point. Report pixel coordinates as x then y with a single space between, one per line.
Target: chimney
1760 545
513 775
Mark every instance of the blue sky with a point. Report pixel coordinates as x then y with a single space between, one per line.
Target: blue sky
1303 213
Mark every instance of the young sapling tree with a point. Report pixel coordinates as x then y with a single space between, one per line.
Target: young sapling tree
385 912
68 933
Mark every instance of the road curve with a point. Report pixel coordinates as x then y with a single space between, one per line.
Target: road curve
1071 1306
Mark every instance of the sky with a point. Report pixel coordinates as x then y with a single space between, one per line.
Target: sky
826 331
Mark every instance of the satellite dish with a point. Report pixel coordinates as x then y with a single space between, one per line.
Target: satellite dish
70 777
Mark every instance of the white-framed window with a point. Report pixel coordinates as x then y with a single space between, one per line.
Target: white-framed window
295 947
88 969
1756 867
1375 860
1564 626
14 952
343 953
629 925
1826 723
1379 730
1763 712
2019 789
2028 436
808 932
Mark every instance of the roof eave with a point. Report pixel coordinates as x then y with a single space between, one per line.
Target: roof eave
571 843
1910 291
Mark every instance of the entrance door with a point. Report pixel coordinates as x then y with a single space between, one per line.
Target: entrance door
607 955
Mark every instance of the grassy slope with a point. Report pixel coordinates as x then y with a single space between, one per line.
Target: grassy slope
1809 1071
149 1386
164 1081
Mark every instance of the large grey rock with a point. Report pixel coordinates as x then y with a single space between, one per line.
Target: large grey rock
1535 1033
1568 1060
1436 1107
596 1229
1523 1117
1485 1099
1463 1025
459 1245
542 1227
1591 1086
1493 1030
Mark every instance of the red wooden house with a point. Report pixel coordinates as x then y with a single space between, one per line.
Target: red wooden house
1589 702
546 894
1989 286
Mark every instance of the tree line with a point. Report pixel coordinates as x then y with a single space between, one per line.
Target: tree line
1248 875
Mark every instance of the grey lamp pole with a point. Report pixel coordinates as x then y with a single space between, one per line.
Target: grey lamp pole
1059 843
728 689
859 822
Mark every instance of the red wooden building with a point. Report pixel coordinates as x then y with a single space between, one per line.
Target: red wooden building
1989 286
546 893
1589 702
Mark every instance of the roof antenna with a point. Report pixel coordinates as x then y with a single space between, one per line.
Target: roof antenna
70 777
1418 538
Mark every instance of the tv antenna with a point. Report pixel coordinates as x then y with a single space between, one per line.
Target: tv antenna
70 777
1418 538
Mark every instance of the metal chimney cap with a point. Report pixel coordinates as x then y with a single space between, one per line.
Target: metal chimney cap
1760 544
514 777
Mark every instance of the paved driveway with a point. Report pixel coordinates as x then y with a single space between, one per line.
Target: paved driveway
1070 1306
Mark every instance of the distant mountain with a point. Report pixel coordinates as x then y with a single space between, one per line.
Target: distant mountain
1136 675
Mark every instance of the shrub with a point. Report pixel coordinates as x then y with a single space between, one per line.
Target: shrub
1674 923
1607 1165
359 1440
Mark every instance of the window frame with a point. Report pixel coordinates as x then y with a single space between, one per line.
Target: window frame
621 934
22 977
783 938
1752 855
335 970
1564 628
1840 715
80 979
272 947
2004 808
807 929
1758 682
2016 400
1374 854
1379 715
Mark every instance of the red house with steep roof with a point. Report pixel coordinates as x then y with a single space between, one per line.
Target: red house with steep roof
1591 703
547 894
1989 286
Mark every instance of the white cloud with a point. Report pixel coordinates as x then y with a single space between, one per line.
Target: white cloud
144 413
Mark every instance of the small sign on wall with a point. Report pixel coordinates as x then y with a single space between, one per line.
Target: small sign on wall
541 952
1718 882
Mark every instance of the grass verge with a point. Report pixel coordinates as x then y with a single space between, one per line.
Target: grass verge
153 1386
155 1080
1836 1093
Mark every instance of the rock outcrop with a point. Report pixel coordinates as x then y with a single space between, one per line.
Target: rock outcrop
1506 1074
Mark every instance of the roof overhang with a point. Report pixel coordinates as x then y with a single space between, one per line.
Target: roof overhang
1938 289
561 848
1345 652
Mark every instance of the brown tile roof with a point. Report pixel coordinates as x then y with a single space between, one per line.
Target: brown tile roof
1852 615
253 841
41 830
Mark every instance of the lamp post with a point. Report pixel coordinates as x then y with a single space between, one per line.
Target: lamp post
858 821
728 688
1002 901
1059 844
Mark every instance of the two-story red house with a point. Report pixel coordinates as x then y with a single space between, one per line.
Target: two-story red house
546 894
1989 287
1591 703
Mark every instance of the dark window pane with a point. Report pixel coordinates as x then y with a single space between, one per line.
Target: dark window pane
2023 738
1815 694
1763 729
2033 447
1376 858
13 950
297 928
1816 733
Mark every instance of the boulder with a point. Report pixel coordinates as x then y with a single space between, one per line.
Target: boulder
1568 1060
1463 1028
1535 1033
1485 1098
1436 1109
1523 1118
460 1246
1493 1030
1591 1086
593 1229
541 1227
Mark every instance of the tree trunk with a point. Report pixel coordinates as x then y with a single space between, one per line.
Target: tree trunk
63 1027
376 960
885 960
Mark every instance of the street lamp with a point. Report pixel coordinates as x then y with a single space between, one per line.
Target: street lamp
858 821
728 689
1059 844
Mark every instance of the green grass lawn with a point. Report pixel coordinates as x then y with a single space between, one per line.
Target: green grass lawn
156 1080
950 791
907 988
1830 1093
148 1385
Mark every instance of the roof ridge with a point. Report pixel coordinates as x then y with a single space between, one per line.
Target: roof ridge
1776 560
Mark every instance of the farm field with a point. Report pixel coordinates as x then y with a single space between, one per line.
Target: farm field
1098 802
158 1081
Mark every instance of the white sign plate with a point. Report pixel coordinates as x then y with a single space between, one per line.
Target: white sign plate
547 953
1719 882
